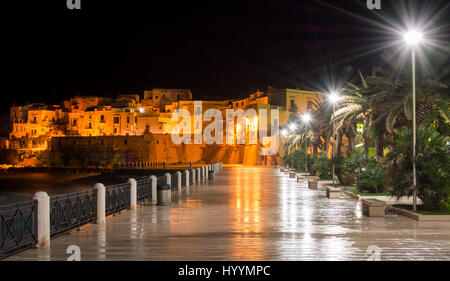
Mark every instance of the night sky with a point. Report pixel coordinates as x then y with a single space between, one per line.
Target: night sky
218 49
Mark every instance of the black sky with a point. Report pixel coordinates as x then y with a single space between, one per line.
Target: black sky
215 48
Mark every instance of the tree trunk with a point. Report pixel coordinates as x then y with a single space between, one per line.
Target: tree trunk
366 144
379 145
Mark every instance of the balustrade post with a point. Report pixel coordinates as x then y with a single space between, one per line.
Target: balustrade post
168 179
193 176
199 175
206 172
178 180
154 190
133 194
186 174
101 198
43 219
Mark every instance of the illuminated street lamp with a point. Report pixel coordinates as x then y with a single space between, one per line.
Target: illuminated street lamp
292 127
306 119
413 38
334 99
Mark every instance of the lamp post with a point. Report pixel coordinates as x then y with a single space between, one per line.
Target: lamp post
292 127
306 118
413 38
334 98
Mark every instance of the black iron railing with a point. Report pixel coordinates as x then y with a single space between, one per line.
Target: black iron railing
144 190
117 198
18 227
72 210
173 181
183 178
161 180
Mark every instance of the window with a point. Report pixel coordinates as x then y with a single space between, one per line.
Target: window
128 119
310 104
147 128
135 119
125 142
102 118
74 122
116 120
34 119
115 130
90 125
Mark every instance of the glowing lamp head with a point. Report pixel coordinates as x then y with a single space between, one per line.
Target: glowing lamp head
142 110
334 97
284 133
306 117
413 37
292 127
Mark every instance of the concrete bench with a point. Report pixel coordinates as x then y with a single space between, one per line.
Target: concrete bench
312 184
292 175
332 192
373 207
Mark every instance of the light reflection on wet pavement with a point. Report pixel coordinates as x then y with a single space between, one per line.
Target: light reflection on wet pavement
252 213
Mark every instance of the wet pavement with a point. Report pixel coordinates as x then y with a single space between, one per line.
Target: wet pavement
252 213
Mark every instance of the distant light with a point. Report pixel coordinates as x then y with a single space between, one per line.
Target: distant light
292 127
142 110
334 97
413 37
306 117
284 133
238 127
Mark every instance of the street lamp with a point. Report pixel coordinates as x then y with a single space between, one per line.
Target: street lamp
334 99
292 127
306 119
413 38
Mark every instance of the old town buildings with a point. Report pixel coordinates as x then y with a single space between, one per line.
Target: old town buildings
41 127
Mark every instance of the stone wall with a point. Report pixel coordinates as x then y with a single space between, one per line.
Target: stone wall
110 150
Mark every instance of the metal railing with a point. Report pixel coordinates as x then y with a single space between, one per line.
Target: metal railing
161 180
18 227
144 190
183 178
117 198
72 210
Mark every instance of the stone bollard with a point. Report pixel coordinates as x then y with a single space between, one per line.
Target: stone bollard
43 219
193 176
206 172
133 193
178 180
154 190
164 195
211 174
168 179
186 174
199 175
101 198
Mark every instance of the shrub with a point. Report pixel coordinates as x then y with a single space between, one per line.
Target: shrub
372 180
324 166
298 159
432 166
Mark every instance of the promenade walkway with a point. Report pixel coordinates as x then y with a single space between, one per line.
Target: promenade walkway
252 213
